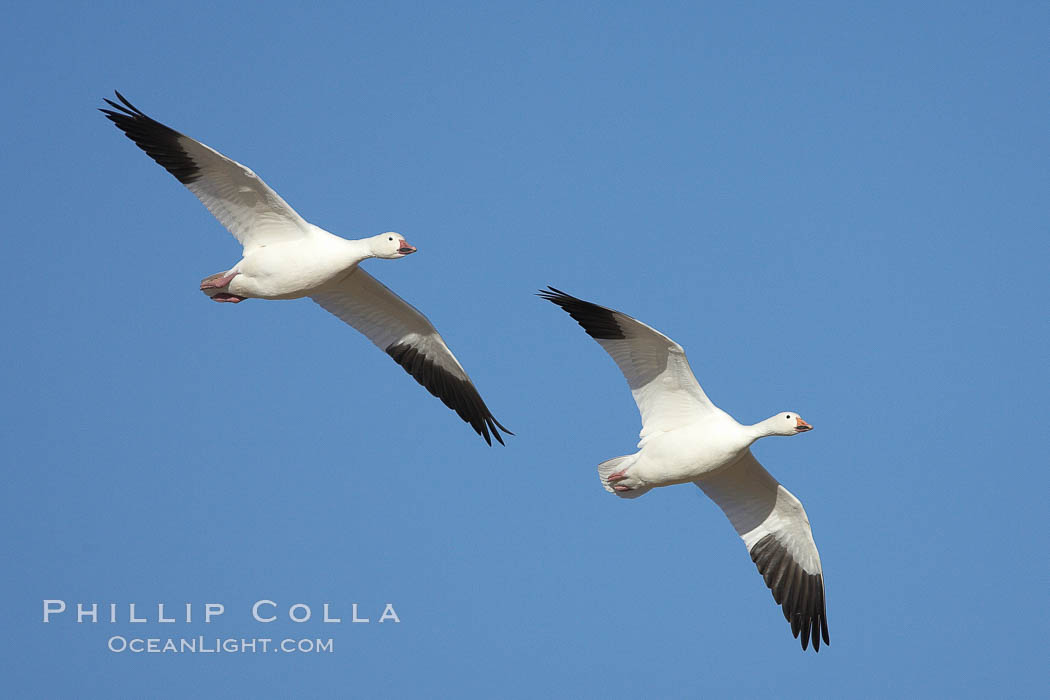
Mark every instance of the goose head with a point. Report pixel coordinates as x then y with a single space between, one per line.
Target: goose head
787 423
390 246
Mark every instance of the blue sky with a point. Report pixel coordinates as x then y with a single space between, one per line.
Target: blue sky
837 209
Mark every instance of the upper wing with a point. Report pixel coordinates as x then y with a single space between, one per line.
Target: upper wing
254 213
775 529
406 335
655 366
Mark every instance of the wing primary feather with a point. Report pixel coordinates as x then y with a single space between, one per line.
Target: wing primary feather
160 142
823 614
777 583
803 608
788 590
814 632
805 620
799 594
599 322
774 569
457 394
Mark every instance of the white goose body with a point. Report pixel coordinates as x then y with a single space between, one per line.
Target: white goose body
295 269
686 438
687 453
287 257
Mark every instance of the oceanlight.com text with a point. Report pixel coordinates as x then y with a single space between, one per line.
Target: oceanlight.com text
218 645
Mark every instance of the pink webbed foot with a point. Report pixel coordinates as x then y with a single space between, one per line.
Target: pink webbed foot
618 476
217 281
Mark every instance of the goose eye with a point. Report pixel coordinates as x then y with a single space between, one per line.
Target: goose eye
788 417
390 239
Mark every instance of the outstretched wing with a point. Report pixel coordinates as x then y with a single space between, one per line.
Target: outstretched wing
243 203
405 334
655 366
775 529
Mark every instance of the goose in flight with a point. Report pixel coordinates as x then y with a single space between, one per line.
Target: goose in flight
286 257
687 438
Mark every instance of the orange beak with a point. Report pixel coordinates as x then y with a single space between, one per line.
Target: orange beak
405 248
802 426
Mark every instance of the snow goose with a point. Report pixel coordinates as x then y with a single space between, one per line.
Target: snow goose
286 257
687 438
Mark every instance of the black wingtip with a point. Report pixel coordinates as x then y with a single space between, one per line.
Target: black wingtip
554 294
160 142
458 393
800 594
599 322
483 422
127 108
125 100
494 426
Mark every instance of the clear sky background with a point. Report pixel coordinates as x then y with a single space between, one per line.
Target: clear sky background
838 209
